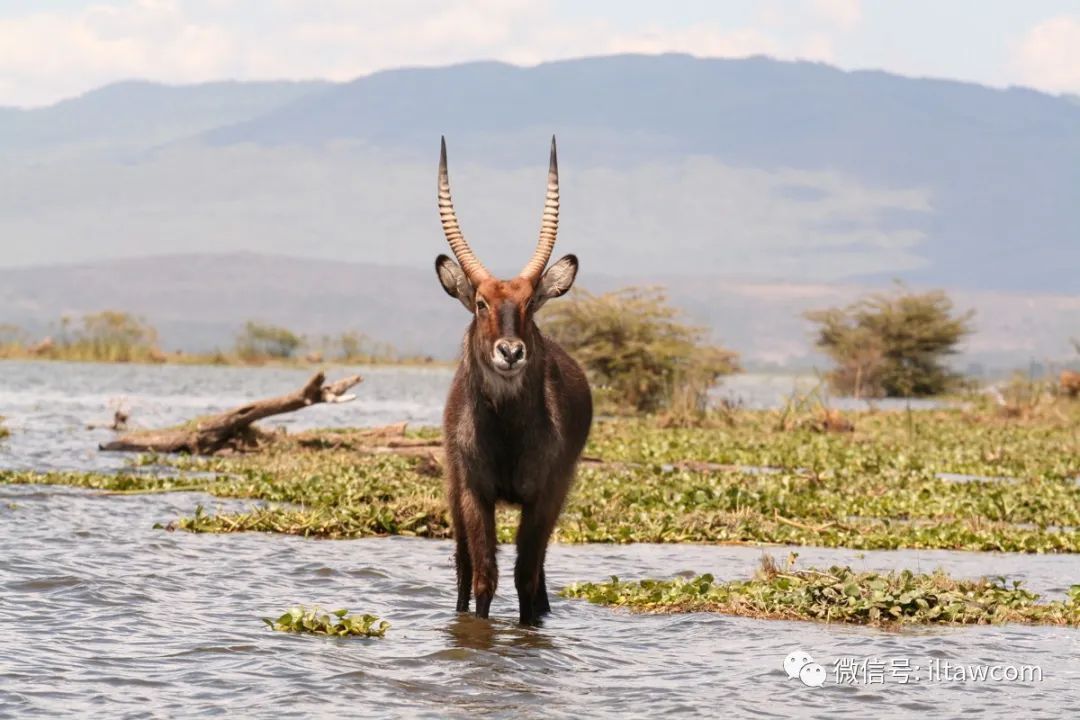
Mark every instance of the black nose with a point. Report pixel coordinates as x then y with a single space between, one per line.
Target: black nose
511 350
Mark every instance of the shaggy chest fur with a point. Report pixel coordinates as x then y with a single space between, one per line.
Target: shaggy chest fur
511 440
507 444
514 450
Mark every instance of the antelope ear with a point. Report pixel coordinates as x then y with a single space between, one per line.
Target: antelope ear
454 281
558 279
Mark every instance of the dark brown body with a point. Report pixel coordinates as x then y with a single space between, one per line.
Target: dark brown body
514 441
519 409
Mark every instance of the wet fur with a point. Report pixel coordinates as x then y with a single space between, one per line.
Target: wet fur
515 440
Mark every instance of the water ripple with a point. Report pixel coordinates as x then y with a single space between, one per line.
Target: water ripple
104 616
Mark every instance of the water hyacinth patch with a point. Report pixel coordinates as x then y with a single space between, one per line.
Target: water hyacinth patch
876 488
319 622
840 594
972 441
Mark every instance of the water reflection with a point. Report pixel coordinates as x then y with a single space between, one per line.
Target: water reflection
470 632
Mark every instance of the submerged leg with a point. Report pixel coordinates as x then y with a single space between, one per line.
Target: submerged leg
463 565
540 601
462 560
479 519
532 539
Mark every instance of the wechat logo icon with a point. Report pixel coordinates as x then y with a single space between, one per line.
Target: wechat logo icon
799 664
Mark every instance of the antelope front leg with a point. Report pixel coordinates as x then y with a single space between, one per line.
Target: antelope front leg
540 600
462 562
532 539
479 524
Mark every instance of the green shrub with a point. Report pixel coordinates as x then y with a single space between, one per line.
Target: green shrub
107 336
892 344
260 342
638 353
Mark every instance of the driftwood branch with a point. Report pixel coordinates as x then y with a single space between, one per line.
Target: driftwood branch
386 440
234 429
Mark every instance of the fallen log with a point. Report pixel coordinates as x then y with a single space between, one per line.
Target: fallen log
118 424
386 440
233 430
355 438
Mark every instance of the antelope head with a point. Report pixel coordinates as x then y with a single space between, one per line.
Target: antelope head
503 329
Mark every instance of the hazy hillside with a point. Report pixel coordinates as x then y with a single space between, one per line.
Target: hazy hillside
753 170
138 115
198 302
1000 169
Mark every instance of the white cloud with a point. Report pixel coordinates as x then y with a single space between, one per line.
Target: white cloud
818 46
844 14
1048 56
46 56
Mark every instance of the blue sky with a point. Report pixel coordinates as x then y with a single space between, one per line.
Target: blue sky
59 48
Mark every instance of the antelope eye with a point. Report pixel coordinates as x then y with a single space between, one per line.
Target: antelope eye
480 304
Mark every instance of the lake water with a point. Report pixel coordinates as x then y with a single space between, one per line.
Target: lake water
103 616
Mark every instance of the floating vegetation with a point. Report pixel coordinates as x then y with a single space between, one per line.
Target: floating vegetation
974 440
840 594
879 487
4 432
337 622
121 483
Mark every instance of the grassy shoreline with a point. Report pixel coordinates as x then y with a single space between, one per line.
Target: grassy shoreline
229 360
876 488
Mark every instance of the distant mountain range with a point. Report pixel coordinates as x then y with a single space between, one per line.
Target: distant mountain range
750 169
138 115
750 186
199 302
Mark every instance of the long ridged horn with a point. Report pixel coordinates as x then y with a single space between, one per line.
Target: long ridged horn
473 268
549 223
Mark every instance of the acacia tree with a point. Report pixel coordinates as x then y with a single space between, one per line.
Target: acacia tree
638 352
258 342
892 344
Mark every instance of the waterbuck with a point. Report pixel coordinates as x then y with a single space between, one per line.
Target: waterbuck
518 412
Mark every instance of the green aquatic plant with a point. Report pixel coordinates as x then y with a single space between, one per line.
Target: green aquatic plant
337 494
121 483
319 622
973 440
840 594
877 488
4 432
